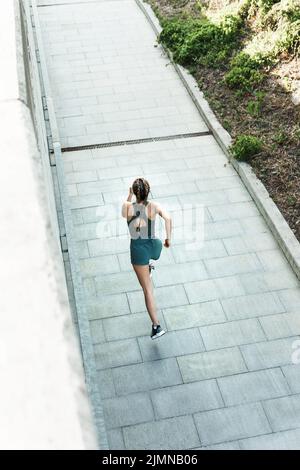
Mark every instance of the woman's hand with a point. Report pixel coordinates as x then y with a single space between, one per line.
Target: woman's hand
167 243
130 194
168 223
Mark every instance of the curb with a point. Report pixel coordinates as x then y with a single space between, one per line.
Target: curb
266 206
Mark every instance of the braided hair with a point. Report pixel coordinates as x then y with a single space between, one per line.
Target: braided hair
141 189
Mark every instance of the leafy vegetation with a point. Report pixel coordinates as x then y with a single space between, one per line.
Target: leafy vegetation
245 147
245 56
200 41
255 106
244 73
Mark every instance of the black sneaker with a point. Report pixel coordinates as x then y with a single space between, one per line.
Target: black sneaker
157 331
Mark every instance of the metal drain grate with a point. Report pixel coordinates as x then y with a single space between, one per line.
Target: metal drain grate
135 141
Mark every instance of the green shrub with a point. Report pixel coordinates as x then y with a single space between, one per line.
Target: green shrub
245 147
288 11
283 18
293 13
245 9
244 60
198 41
201 45
230 26
265 5
290 40
175 31
244 73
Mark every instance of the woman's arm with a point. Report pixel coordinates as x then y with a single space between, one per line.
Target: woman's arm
168 224
126 204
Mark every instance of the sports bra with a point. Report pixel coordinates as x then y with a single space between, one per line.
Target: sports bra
141 230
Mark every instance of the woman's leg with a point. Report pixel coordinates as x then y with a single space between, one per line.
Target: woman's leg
143 276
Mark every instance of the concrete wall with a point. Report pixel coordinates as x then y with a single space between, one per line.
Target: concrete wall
32 92
43 399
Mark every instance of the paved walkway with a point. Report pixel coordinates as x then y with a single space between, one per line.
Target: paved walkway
222 377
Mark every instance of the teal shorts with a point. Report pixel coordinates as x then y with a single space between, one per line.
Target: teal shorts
144 249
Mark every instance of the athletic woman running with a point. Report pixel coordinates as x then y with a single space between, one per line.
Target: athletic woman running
144 245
